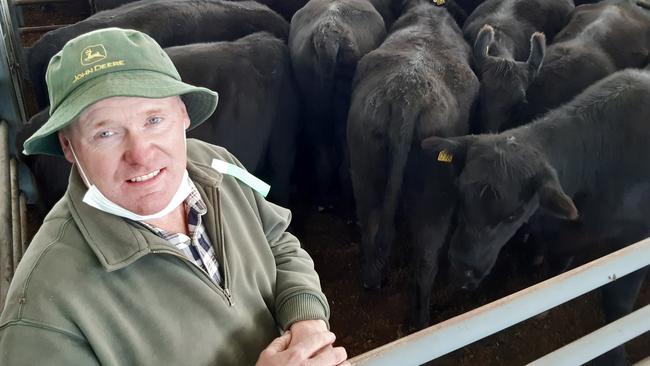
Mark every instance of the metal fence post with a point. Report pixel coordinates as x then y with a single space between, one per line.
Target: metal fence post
15 215
6 245
22 202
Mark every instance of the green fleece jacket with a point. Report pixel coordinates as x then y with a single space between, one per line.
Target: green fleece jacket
94 288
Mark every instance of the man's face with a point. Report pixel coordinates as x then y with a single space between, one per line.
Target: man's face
132 149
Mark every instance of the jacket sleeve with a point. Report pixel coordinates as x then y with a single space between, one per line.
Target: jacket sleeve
298 292
34 344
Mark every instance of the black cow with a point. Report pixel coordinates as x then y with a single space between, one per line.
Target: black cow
286 8
417 83
600 39
101 5
327 39
50 172
255 118
508 50
582 2
169 22
583 163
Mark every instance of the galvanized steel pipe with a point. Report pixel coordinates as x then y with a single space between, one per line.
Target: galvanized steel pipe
600 341
6 255
17 249
23 223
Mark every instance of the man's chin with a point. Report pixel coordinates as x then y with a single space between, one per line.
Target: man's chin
146 206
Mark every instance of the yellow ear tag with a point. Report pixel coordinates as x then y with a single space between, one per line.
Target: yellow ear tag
439 2
445 156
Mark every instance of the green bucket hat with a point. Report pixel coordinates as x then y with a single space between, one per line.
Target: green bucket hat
107 63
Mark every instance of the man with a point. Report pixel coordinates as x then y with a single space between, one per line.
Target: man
162 251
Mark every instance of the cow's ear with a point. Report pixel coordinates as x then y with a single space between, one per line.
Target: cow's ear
536 56
451 150
484 40
553 200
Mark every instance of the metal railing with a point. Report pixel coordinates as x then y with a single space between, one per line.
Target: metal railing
13 109
457 332
12 115
13 215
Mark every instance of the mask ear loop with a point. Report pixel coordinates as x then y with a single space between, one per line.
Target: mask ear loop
83 175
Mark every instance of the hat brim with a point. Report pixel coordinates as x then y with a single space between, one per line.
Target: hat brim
200 102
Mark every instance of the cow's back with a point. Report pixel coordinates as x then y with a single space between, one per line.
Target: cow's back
600 39
169 22
611 183
417 83
429 63
246 74
256 119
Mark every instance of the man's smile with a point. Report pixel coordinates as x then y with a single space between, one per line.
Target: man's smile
145 177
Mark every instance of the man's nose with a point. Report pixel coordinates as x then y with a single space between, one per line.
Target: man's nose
138 149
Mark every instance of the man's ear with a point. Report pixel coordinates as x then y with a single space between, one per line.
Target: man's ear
65 146
553 200
183 111
448 150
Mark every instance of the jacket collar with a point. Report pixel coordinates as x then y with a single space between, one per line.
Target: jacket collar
118 242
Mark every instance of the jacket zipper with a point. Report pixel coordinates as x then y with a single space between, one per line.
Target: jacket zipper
225 290
222 246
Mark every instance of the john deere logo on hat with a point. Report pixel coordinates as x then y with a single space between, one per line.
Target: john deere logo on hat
92 54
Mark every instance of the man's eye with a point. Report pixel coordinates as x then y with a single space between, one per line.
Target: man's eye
105 134
155 120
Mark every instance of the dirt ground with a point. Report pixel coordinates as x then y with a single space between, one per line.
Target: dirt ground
365 320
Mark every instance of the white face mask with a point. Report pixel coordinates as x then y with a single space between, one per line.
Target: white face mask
96 199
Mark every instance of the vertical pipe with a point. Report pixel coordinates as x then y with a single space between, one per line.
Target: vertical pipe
6 257
23 223
17 249
11 49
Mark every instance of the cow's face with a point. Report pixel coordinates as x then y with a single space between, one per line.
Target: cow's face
504 81
503 87
501 185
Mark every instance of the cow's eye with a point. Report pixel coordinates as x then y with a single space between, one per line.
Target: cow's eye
514 216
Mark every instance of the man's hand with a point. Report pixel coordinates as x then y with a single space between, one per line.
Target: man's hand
309 343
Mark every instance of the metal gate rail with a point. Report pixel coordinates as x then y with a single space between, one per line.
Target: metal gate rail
598 342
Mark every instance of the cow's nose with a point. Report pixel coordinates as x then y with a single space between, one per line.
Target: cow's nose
469 280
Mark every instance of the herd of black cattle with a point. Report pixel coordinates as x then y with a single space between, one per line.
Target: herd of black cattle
468 120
